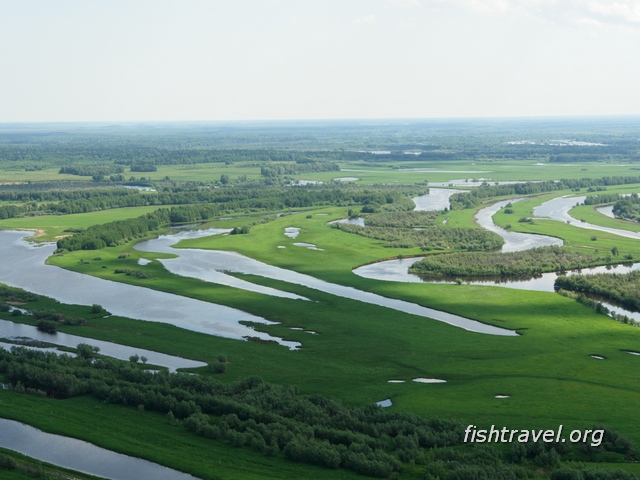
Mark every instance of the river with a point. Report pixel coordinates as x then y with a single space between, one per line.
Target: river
199 263
81 456
11 330
558 209
23 265
398 270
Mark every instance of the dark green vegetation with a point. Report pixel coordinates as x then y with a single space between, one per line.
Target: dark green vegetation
204 172
476 196
628 208
526 263
623 289
205 207
427 239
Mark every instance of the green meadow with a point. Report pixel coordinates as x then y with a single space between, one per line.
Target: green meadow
547 371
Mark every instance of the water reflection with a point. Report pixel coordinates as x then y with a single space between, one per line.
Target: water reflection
80 456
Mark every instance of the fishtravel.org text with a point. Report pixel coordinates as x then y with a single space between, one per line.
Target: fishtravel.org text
473 434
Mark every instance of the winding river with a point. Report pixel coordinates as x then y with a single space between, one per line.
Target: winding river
557 209
23 265
200 263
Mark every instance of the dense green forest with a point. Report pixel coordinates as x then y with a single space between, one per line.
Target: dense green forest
628 208
623 289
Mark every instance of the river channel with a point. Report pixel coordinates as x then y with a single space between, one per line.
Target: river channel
200 263
557 209
23 265
13 331
81 456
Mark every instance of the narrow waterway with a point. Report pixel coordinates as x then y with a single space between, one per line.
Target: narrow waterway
81 456
398 270
10 330
558 209
195 261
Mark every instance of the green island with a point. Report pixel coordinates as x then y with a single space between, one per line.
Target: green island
368 391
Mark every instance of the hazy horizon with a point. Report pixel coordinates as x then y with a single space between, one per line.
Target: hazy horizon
286 60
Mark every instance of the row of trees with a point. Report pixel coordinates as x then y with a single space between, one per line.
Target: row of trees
474 198
431 238
525 263
278 169
247 412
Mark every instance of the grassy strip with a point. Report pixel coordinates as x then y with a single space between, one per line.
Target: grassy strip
150 436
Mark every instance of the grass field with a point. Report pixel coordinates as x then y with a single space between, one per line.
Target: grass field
547 371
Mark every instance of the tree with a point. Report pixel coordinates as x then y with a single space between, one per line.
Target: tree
48 326
224 179
85 350
614 251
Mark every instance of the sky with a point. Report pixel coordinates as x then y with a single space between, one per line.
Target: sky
199 60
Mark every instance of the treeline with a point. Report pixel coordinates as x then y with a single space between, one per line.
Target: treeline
278 169
225 201
601 199
522 459
91 170
251 197
409 219
473 199
249 412
621 288
526 263
432 238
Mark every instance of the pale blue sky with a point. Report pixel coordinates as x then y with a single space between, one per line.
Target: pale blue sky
141 60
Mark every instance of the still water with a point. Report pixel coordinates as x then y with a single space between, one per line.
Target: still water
196 262
22 265
123 352
558 209
436 199
80 456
